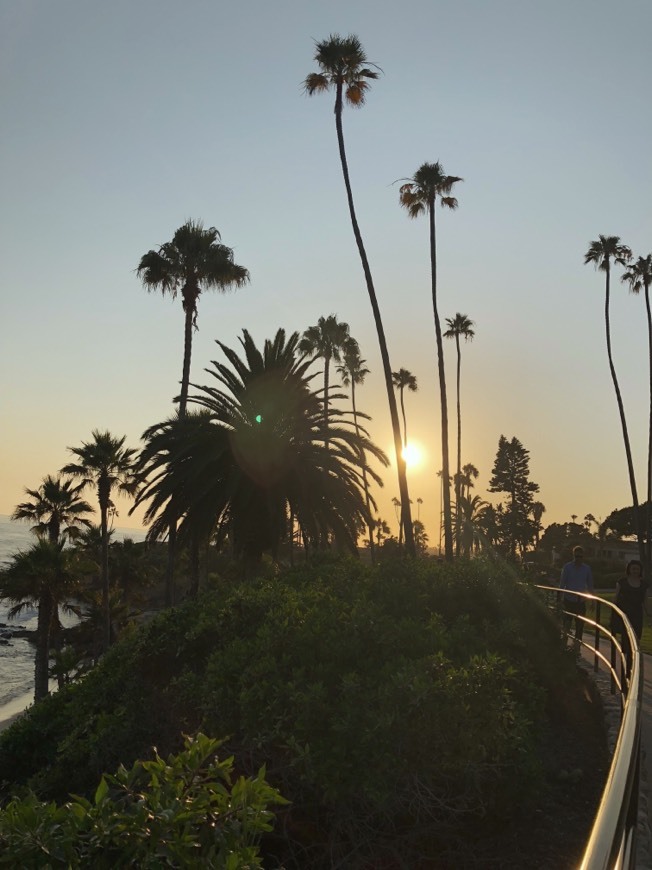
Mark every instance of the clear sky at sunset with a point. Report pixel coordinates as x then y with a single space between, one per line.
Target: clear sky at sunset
121 120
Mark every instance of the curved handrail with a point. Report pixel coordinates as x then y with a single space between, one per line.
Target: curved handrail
613 837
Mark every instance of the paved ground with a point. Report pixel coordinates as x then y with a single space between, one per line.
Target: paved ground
612 716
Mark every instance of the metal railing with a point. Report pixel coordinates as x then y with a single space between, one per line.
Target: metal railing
612 843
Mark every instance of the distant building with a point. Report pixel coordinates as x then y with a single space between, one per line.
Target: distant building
613 550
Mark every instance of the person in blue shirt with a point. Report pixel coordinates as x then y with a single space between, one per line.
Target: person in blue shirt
576 576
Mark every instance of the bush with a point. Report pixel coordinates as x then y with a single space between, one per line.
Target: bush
186 812
398 708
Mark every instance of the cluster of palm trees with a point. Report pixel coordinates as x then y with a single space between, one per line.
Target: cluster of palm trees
603 252
343 68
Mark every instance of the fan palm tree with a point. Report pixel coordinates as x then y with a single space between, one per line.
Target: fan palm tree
538 510
108 465
327 340
195 260
459 326
343 68
257 456
418 195
353 372
601 252
469 474
639 277
44 576
470 519
402 380
56 509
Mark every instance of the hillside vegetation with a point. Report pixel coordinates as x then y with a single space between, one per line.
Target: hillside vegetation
414 715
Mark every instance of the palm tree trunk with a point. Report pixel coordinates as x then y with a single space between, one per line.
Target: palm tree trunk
647 564
448 525
623 421
391 398
458 479
365 480
188 307
326 373
41 659
103 498
404 419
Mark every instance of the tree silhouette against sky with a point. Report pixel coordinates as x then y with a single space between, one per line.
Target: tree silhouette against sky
344 68
418 195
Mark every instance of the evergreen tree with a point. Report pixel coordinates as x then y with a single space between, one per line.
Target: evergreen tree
510 474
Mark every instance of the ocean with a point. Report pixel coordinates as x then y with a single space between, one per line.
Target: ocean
17 656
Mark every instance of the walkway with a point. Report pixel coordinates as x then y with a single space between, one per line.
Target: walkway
611 705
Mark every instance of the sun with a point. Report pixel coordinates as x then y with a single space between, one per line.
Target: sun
412 454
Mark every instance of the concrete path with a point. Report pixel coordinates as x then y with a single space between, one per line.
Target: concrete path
611 704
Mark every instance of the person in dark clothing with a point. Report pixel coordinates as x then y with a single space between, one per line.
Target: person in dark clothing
630 598
576 576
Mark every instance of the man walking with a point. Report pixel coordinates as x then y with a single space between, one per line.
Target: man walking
576 576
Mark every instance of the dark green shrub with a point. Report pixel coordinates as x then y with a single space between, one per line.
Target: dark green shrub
185 812
397 708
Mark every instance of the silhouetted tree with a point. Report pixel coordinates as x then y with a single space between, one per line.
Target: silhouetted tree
344 68
511 474
56 509
419 195
601 253
108 465
639 277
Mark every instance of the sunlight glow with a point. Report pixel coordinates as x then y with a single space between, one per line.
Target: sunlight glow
413 455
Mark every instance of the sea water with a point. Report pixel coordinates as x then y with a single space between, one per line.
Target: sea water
17 657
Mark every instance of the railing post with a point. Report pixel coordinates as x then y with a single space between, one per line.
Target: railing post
597 636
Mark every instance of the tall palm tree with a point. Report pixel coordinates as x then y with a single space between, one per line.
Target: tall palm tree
56 508
44 576
601 252
538 510
257 456
639 277
402 380
459 326
343 67
108 465
195 260
353 372
418 195
327 340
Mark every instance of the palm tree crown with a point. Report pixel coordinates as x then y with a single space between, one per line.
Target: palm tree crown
404 380
460 326
428 184
257 455
195 260
343 65
605 249
327 340
56 509
639 274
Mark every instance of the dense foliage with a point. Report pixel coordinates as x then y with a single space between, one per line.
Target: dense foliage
186 811
399 708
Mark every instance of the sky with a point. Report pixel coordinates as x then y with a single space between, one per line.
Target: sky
122 120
